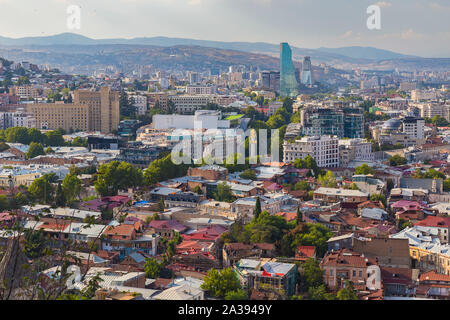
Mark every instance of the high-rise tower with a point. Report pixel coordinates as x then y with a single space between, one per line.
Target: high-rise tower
288 80
307 72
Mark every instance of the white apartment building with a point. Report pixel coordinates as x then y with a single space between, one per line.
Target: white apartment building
190 103
207 120
22 119
429 110
17 119
193 89
355 150
417 95
324 149
414 127
140 102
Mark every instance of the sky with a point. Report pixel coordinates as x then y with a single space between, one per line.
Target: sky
416 27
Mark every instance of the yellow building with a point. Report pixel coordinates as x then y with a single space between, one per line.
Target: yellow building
91 111
103 108
428 257
9 181
59 115
24 92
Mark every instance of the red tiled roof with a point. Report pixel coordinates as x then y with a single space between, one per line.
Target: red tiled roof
432 221
433 276
305 251
288 216
168 224
348 258
122 230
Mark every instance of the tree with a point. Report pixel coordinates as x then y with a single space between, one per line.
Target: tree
60 199
54 138
328 180
152 268
447 185
41 189
163 169
364 169
34 150
79 142
219 283
248 174
299 216
439 121
307 163
302 185
116 176
320 293
376 197
126 106
353 186
397 160
312 234
403 224
266 228
198 190
92 287
4 203
161 205
71 186
312 274
434 174
257 210
238 294
19 200
347 293
223 192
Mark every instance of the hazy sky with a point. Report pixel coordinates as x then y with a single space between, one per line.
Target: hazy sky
419 27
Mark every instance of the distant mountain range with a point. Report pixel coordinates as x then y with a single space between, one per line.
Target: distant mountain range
345 57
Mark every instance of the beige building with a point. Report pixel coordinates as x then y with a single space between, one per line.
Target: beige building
24 92
59 115
91 111
103 108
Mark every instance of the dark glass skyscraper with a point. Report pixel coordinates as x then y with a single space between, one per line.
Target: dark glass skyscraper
288 79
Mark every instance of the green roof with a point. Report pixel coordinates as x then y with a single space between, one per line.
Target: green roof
234 117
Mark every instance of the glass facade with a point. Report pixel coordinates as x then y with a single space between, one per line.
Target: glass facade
307 72
288 79
344 123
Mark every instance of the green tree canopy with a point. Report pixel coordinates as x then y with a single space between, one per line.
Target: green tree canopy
248 174
223 192
71 186
35 149
347 293
328 180
115 176
152 268
238 294
219 283
397 160
42 189
364 169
